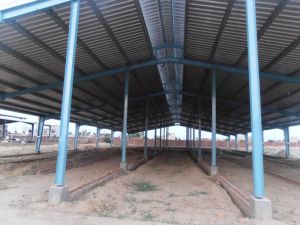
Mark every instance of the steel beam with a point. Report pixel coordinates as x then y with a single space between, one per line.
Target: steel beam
217 41
32 7
235 103
255 102
39 135
287 142
112 72
125 113
234 70
88 77
67 94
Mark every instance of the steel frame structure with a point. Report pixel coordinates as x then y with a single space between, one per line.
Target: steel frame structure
168 58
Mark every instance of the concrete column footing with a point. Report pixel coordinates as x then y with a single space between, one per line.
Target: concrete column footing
124 166
261 208
213 170
58 194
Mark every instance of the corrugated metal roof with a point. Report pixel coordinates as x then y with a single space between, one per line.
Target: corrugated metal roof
117 33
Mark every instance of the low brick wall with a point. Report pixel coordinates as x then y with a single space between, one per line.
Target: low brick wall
239 198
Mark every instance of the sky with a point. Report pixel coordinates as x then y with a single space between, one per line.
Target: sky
180 132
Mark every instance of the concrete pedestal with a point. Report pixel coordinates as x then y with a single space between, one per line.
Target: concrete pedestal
58 194
261 208
123 166
213 170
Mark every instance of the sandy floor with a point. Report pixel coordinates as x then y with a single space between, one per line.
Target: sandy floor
24 197
31 164
175 198
284 195
170 189
279 152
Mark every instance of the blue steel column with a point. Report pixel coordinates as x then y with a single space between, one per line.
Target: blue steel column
236 141
186 137
155 133
32 130
213 123
287 142
146 131
39 134
194 137
167 137
160 135
50 131
111 137
255 102
97 137
246 142
67 94
77 127
228 142
124 133
199 133
189 137
4 129
164 136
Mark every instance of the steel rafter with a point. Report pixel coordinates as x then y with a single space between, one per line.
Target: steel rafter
282 4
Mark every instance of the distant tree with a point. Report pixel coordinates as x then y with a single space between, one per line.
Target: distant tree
138 135
84 133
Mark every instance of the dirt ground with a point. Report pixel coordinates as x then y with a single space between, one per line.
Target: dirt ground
278 152
167 194
285 196
169 189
